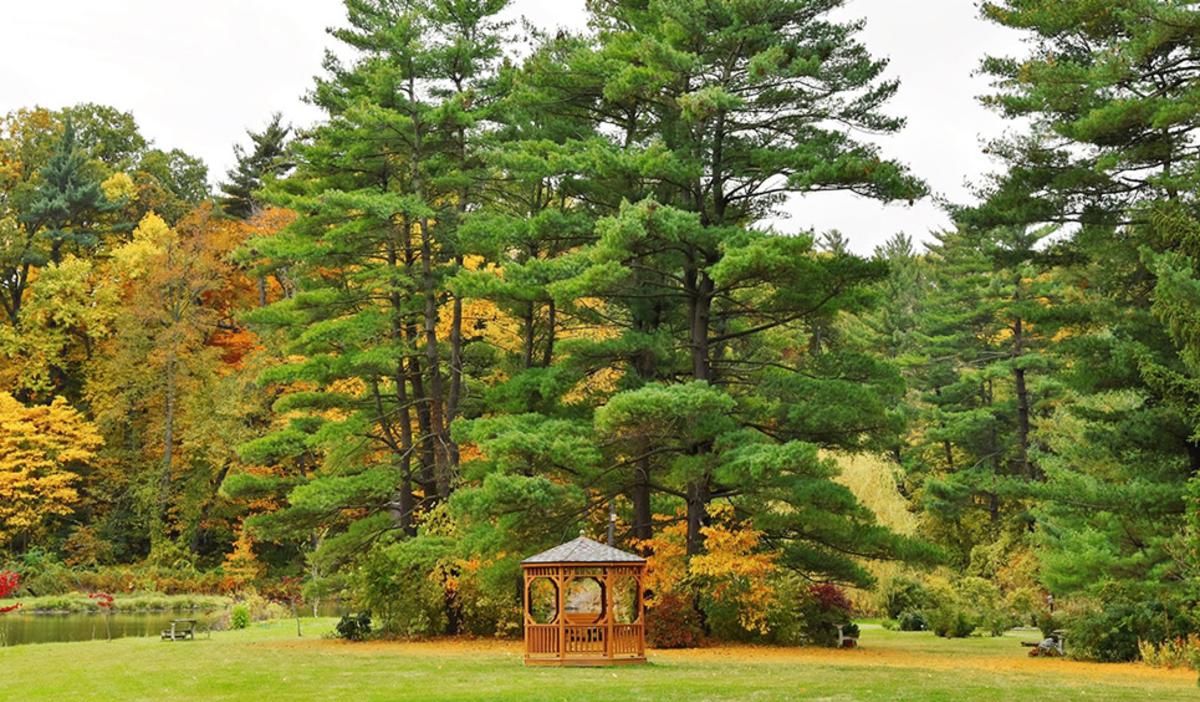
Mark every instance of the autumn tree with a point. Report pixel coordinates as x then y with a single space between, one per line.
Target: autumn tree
52 209
44 452
159 374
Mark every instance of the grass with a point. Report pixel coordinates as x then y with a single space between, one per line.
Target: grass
80 603
268 662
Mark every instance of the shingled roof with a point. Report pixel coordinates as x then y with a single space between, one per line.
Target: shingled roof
584 550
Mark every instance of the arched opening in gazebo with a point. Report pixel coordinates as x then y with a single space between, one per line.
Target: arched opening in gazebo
583 605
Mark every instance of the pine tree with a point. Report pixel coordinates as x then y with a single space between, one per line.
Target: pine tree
1112 149
60 216
372 330
985 380
705 116
268 157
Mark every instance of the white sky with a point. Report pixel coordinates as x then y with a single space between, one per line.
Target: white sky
197 74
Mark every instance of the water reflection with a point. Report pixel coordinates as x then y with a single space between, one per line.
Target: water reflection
25 627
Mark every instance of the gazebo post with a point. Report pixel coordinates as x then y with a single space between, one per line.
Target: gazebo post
562 614
609 649
641 615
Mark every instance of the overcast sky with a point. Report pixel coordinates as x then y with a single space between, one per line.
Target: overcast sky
197 74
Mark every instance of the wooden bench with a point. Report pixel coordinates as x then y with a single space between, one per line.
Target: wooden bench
181 630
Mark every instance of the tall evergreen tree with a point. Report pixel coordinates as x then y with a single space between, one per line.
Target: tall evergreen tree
984 381
1112 150
374 333
267 157
60 217
709 116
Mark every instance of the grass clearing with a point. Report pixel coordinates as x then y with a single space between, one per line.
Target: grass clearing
268 662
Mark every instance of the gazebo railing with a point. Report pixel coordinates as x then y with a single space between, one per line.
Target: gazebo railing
627 640
541 639
584 640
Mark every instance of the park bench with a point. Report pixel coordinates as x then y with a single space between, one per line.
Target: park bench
181 630
846 640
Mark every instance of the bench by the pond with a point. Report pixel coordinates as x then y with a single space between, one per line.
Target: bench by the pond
181 630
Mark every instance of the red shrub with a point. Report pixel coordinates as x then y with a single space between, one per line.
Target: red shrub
9 582
831 598
673 623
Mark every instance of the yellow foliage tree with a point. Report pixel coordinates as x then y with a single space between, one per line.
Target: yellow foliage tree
42 448
734 570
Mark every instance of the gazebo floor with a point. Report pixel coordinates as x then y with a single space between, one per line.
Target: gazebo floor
596 662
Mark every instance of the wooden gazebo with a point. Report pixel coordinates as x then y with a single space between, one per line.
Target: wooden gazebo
583 605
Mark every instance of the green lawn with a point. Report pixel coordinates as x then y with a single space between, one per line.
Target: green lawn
268 663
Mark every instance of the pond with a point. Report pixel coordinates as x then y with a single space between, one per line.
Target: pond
27 627
23 628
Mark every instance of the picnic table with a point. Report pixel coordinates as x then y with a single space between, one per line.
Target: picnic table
181 630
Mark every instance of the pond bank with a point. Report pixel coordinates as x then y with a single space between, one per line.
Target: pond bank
74 617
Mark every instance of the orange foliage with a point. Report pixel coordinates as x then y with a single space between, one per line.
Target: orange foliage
241 563
734 569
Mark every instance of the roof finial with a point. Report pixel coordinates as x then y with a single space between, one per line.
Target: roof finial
582 532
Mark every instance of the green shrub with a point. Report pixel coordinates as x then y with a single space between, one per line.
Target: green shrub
952 621
822 609
1026 606
354 627
239 618
1048 623
400 585
79 603
912 620
980 599
901 594
1111 630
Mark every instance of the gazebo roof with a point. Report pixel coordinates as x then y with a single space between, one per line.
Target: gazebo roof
584 550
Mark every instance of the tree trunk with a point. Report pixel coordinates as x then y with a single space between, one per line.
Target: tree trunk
697 514
405 497
164 486
698 489
527 337
456 380
551 334
639 495
433 365
1024 467
700 308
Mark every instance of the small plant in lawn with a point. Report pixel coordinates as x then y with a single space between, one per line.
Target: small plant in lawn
912 620
104 601
239 618
354 627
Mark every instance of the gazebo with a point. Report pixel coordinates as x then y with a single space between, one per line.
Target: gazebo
583 605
